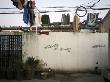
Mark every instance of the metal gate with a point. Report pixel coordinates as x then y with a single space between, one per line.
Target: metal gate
10 51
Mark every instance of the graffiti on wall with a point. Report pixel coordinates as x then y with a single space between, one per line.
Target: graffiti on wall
57 47
98 46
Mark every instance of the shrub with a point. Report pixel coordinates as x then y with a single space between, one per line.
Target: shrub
34 63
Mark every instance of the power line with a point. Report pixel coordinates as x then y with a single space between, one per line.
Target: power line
80 9
10 13
7 8
84 8
77 8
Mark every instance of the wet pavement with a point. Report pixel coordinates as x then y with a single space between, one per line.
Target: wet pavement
84 77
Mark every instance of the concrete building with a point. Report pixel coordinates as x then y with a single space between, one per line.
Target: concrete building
105 25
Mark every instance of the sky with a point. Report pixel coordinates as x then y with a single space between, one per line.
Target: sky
17 19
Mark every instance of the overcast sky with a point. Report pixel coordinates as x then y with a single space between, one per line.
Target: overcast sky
16 19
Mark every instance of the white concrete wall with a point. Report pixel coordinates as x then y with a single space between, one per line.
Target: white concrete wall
68 50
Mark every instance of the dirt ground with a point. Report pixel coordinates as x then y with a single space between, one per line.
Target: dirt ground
85 77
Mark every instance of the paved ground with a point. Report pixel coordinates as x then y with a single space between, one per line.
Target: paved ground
65 78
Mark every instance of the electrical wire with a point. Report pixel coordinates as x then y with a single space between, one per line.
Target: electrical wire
84 8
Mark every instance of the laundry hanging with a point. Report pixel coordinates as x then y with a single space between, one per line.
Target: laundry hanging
37 19
31 17
45 19
65 19
18 3
28 15
76 23
92 20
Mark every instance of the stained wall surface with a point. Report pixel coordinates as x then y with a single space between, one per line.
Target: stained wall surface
67 50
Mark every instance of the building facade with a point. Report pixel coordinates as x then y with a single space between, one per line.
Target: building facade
105 25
